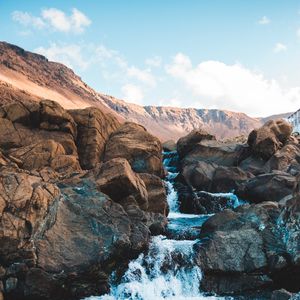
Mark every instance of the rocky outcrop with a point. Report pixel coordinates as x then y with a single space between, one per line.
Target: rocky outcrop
142 150
262 170
47 153
265 141
188 143
267 187
64 229
254 246
94 129
117 180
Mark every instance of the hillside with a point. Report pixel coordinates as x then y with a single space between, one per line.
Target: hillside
26 75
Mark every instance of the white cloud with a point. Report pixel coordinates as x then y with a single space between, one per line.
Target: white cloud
154 61
54 19
144 76
264 21
70 55
26 19
217 85
132 93
279 47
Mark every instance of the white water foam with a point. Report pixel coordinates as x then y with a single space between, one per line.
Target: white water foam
167 272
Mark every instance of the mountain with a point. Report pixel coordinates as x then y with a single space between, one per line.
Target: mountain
28 76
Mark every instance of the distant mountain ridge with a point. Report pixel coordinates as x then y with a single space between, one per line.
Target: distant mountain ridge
27 76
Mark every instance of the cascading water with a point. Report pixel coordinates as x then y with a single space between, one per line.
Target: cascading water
167 271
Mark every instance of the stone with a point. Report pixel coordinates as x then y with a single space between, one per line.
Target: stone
157 197
94 129
142 150
266 140
117 180
188 142
267 187
47 153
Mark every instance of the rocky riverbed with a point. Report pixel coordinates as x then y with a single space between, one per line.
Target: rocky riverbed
93 207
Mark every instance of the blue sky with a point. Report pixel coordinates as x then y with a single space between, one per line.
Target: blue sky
234 55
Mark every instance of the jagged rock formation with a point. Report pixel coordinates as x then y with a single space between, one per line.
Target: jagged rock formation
67 218
255 246
25 76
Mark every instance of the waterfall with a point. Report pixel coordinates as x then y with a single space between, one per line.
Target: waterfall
168 270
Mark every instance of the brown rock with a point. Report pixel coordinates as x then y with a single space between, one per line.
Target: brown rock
24 203
286 159
223 154
54 117
266 140
267 187
169 146
117 180
157 197
142 150
94 128
187 143
47 153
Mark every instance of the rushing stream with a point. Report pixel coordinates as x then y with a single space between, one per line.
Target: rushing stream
167 270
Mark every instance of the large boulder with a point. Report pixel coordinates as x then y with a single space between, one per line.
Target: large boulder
267 187
24 204
142 150
94 128
257 243
47 153
228 179
26 125
199 175
63 242
157 197
188 142
266 140
55 118
211 151
117 180
286 159
203 176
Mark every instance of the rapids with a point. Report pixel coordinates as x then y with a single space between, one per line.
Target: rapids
167 271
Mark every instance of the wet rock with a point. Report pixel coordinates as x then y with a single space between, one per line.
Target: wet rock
142 150
267 187
10 284
206 203
188 142
281 294
199 175
117 180
94 128
252 240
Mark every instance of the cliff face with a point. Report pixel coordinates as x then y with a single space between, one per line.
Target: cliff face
23 72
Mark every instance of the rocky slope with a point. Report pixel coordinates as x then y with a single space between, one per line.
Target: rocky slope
73 203
23 72
256 246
